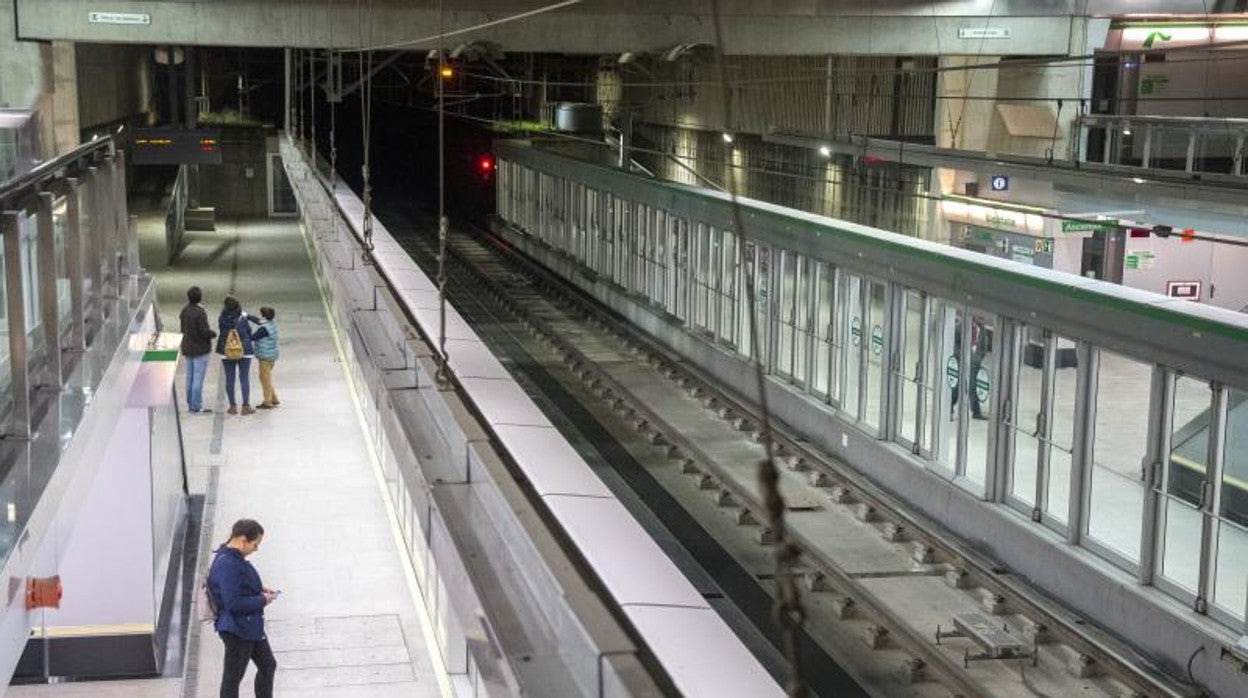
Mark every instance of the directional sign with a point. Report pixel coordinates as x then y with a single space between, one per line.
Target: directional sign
877 340
141 18
177 147
1000 182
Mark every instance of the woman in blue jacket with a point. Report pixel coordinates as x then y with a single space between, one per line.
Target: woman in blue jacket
233 318
239 598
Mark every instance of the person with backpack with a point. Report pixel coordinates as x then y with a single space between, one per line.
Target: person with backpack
265 340
234 344
197 338
238 598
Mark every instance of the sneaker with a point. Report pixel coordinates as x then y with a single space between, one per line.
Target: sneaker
275 403
204 410
232 410
264 406
248 409
979 417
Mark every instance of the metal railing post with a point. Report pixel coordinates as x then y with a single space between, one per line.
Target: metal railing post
18 423
73 265
93 245
45 244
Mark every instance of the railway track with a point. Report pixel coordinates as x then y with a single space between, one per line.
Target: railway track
904 607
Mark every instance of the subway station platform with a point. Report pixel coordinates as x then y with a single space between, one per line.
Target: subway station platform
347 623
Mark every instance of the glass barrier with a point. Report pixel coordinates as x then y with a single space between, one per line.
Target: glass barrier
1069 430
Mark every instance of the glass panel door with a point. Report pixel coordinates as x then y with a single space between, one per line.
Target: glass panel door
851 371
1183 481
910 371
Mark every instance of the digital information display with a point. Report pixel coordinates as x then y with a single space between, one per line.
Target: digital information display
176 147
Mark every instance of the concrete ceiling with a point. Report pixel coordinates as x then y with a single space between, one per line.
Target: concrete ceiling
770 27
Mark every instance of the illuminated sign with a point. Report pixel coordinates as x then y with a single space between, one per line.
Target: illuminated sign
1155 36
1187 290
119 18
1084 226
992 217
176 147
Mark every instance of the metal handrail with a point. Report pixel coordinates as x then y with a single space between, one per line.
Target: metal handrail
1228 123
25 183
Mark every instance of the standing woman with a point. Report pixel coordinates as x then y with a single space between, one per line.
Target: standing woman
235 347
240 598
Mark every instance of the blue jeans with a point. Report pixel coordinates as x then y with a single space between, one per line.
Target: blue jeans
196 369
243 368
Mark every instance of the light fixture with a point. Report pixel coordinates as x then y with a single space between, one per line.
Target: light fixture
1126 132
448 71
1138 180
727 137
825 151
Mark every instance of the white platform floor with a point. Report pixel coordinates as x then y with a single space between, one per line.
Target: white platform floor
348 623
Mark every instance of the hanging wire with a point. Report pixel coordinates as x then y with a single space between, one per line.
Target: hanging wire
440 37
790 614
366 119
443 223
332 99
312 101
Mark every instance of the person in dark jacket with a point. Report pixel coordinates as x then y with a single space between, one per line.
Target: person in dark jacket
240 598
233 318
196 346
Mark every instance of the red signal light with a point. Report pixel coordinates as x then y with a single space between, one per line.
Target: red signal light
485 164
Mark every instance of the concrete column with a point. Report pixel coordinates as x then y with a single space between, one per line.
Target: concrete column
191 111
287 87
966 111
65 96
25 68
172 86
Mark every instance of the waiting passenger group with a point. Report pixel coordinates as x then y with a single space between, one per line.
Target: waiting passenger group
237 343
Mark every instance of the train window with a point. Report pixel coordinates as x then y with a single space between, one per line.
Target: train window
1182 483
1230 578
1119 450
